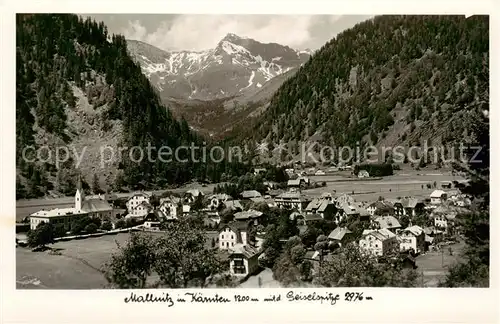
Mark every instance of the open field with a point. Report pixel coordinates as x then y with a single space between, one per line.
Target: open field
403 183
76 268
433 266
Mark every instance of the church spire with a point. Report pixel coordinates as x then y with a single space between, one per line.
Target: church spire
79 195
79 183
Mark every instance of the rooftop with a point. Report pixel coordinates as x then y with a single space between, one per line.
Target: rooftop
97 205
247 250
58 212
248 214
415 230
387 222
437 193
339 233
250 194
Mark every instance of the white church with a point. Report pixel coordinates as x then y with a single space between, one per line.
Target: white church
92 206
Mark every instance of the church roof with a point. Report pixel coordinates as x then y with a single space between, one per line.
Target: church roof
96 205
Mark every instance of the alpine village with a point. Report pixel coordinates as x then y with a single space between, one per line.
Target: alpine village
282 215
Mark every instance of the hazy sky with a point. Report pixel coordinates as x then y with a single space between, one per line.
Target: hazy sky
200 32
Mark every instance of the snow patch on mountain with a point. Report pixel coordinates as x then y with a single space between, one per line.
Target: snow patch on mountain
250 81
235 64
231 48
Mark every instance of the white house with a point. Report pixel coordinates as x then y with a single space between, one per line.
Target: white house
141 210
136 200
186 209
96 207
378 242
171 207
243 260
216 201
292 200
444 217
438 197
232 234
56 216
412 238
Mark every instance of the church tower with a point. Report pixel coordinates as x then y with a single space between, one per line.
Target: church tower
79 195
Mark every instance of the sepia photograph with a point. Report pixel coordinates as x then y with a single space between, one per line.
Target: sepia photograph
183 151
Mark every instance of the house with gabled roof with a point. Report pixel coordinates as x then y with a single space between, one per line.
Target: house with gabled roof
379 242
408 206
292 200
438 197
346 211
322 207
381 207
234 205
232 234
412 239
135 200
444 216
171 207
243 260
412 206
216 201
153 219
339 235
248 215
389 222
141 210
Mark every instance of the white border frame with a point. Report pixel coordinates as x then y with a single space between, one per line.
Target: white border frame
389 305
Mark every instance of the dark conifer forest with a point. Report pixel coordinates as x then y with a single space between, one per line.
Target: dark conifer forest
389 80
57 53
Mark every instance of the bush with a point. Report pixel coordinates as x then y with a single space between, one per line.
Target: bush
41 236
107 226
91 228
120 224
59 230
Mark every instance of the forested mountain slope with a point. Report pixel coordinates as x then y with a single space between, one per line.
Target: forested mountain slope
387 81
77 87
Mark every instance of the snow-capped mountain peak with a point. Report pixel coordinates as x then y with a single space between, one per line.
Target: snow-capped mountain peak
235 65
